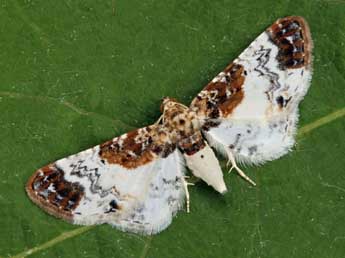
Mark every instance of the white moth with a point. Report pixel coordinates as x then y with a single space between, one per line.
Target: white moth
136 182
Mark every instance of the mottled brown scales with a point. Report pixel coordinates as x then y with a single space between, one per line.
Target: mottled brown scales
221 97
236 76
228 106
209 124
49 190
127 160
132 144
164 102
129 152
218 88
192 144
141 146
292 36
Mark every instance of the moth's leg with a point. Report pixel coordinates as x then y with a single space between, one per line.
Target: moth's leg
185 186
234 166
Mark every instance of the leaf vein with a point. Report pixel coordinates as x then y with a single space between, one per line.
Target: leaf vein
320 122
65 103
54 241
146 247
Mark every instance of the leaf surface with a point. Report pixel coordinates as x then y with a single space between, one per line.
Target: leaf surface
77 73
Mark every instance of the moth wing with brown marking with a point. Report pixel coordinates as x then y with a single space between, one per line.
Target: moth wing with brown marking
251 108
133 182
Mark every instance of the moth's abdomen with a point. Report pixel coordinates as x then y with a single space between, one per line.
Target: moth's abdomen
202 161
49 189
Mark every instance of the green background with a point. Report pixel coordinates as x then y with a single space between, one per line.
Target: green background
76 73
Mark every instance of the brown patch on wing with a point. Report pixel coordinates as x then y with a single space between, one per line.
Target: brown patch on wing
124 158
235 71
237 94
130 153
137 148
220 98
192 144
292 36
204 108
219 87
50 191
230 104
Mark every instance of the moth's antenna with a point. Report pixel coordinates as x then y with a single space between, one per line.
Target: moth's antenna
160 119
182 105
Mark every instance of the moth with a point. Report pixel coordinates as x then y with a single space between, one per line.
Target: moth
136 182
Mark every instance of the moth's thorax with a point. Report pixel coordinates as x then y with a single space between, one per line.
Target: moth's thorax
179 120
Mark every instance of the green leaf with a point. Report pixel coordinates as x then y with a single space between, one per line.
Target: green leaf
77 73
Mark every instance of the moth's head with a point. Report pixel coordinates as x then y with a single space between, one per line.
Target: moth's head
167 103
